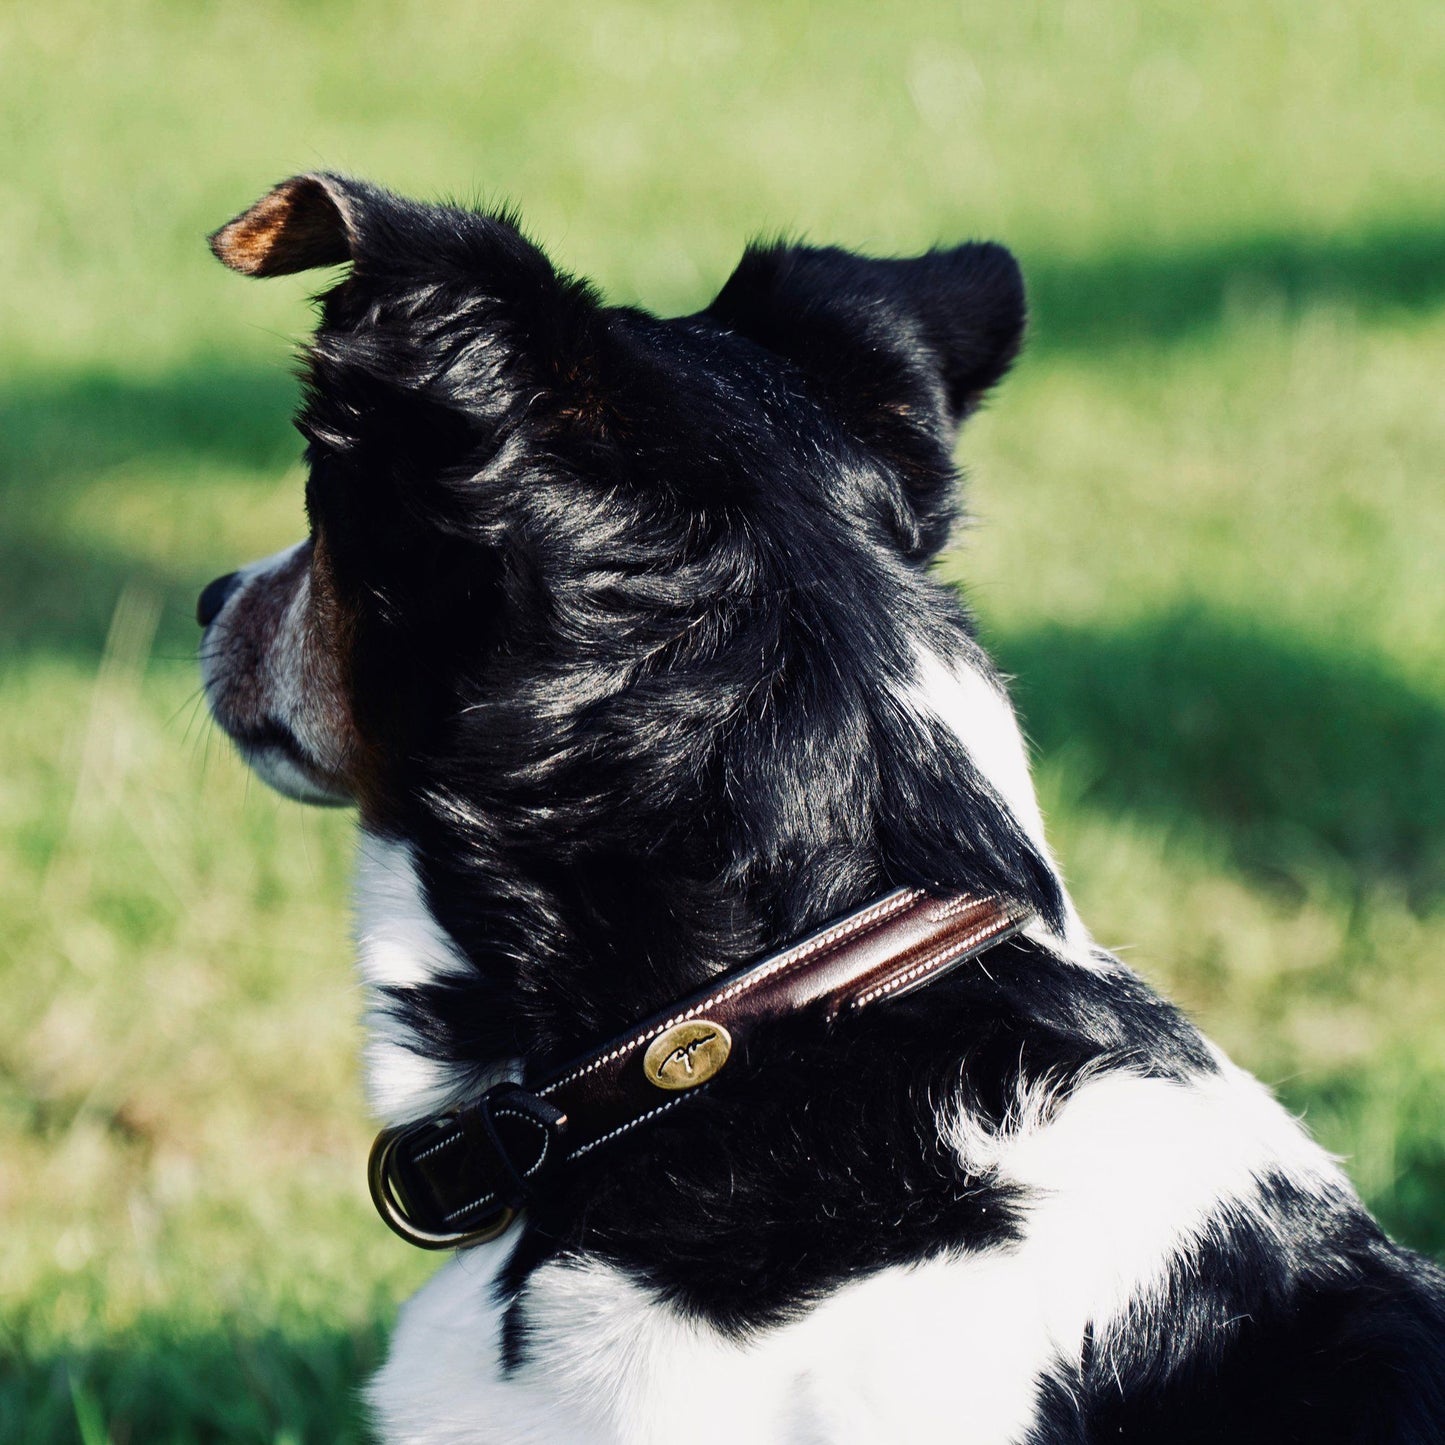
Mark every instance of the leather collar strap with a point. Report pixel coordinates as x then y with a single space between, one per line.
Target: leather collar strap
460 1177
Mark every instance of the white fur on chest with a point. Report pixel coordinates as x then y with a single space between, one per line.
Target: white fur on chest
1128 1173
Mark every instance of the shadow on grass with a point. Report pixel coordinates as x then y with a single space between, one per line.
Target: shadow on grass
210 412
1302 759
58 595
58 591
165 1384
57 599
235 412
1164 296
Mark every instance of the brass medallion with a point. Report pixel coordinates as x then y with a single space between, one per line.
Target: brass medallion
687 1054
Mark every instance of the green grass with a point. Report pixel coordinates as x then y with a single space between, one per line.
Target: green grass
1209 543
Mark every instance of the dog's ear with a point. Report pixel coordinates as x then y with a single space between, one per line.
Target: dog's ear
924 337
308 221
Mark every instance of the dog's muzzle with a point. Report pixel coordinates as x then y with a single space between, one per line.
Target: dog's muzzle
271 681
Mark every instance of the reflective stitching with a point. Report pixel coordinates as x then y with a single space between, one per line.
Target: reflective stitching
526 1173
943 955
640 1119
951 907
546 1138
438 1147
885 908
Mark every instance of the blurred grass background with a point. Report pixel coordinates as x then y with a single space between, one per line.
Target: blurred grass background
1210 545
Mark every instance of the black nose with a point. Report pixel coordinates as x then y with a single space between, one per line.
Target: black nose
210 602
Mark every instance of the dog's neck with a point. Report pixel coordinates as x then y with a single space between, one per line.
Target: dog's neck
418 966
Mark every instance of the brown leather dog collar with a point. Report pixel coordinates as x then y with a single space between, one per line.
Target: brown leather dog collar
459 1178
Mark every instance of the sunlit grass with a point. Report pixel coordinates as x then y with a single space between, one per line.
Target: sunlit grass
1211 524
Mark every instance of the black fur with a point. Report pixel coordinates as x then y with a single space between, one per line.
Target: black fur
630 606
1319 1330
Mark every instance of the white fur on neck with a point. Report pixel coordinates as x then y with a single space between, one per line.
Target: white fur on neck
399 945
974 706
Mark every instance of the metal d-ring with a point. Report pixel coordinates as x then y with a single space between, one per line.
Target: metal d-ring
383 1195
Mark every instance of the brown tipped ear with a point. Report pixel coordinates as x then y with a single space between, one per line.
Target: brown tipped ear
305 222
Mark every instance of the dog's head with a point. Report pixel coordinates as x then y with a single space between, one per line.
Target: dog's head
597 601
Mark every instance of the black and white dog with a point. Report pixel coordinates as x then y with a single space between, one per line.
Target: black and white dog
621 635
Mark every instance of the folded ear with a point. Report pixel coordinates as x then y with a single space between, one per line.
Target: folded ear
308 221
930 334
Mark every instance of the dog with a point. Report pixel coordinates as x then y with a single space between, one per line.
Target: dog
621 635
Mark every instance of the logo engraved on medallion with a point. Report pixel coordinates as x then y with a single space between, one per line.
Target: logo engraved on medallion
687 1054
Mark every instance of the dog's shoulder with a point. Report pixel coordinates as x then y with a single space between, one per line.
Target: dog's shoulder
1179 1262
